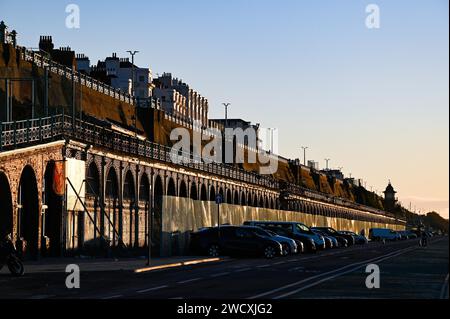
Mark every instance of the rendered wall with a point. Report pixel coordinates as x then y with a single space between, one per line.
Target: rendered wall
180 216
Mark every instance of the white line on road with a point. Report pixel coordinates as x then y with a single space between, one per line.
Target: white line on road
318 276
151 289
444 289
264 266
220 274
377 260
189 280
113 297
242 269
279 263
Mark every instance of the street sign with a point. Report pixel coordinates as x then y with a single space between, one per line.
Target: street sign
219 199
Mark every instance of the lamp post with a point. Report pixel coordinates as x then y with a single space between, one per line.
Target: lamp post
304 154
226 113
132 53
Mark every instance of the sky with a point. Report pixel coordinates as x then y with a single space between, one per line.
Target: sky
374 101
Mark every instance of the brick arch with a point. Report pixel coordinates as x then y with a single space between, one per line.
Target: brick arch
203 192
212 193
6 203
193 192
183 189
236 197
171 187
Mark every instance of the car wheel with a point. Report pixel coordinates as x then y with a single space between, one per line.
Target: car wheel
285 249
213 250
269 252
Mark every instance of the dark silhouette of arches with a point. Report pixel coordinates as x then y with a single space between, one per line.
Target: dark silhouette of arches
6 211
236 198
212 193
255 200
112 205
183 189
171 189
144 189
29 212
203 193
52 217
93 180
128 187
271 203
221 193
156 221
193 191
261 201
229 201
243 199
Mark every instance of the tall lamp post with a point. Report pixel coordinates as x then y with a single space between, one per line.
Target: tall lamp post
226 113
133 53
304 154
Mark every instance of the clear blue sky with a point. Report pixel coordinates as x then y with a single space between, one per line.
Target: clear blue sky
375 101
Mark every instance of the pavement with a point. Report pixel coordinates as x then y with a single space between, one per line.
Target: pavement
406 271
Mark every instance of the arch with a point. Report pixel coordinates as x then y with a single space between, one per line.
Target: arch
243 199
52 218
183 189
128 187
271 203
93 180
144 188
255 200
212 193
171 189
28 200
266 202
203 193
236 197
6 212
111 189
229 199
193 191
221 192
261 201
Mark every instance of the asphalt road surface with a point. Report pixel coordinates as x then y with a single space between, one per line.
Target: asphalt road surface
406 271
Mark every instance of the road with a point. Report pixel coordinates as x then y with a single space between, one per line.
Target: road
406 271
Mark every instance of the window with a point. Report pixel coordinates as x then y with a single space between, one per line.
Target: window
141 78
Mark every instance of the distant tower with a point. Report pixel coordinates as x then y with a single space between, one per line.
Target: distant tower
389 198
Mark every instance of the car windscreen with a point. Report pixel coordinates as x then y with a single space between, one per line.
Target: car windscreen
303 229
260 232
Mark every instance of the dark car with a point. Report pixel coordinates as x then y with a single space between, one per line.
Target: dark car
233 240
332 232
359 239
329 241
338 241
295 230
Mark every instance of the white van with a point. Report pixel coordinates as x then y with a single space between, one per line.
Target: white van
378 234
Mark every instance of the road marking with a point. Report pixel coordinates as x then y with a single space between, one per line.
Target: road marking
220 274
189 280
296 268
151 289
377 260
279 263
444 289
264 266
318 276
112 297
179 264
242 269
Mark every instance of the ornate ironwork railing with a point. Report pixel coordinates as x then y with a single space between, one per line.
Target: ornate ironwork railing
22 133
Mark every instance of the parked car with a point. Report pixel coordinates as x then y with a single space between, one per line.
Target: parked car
339 241
379 234
294 230
234 240
359 239
330 242
289 246
332 232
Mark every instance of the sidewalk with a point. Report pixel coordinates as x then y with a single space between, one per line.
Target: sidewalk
49 265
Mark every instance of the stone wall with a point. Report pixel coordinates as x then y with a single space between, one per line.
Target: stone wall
183 215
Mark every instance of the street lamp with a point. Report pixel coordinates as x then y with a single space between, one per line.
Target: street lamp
327 160
226 113
304 154
132 53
